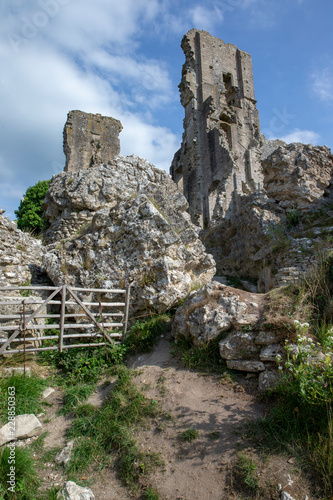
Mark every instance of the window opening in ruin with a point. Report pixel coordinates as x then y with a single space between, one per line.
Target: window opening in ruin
179 177
212 197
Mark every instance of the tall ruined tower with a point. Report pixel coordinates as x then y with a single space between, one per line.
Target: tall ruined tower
219 156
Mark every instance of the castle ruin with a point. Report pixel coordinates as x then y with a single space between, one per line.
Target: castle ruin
219 156
90 140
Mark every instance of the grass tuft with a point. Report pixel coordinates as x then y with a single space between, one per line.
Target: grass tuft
189 435
28 391
26 479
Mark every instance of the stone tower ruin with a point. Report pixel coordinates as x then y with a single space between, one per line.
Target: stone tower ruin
90 140
219 157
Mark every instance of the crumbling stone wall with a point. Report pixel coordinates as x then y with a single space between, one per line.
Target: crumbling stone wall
90 140
220 153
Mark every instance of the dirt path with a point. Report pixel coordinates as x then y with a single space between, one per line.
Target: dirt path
213 406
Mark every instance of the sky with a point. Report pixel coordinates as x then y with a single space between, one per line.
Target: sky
122 58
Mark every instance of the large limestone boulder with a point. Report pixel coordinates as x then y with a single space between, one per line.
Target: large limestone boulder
217 309
124 221
235 317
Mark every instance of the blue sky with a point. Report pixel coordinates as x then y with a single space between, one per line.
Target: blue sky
123 59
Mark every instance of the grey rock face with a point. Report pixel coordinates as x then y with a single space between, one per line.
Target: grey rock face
90 140
23 426
20 254
246 366
124 221
239 345
268 379
298 174
215 309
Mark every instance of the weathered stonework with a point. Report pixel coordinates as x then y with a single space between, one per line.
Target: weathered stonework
120 222
220 153
90 140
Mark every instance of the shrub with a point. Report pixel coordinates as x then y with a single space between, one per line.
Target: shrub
30 215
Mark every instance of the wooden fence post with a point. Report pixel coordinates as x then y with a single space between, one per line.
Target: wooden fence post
62 316
127 301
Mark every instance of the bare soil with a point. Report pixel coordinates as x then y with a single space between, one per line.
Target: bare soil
217 407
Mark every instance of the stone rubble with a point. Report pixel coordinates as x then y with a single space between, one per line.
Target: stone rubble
217 309
64 456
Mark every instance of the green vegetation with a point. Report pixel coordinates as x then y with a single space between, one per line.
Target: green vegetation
246 472
86 364
26 478
204 358
27 395
293 218
301 414
112 427
30 215
189 435
144 334
150 494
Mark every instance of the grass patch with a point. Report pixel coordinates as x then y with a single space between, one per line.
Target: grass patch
85 452
189 435
144 334
84 365
204 358
112 427
150 494
26 479
246 473
75 396
27 391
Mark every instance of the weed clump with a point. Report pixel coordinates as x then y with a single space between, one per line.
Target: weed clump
189 435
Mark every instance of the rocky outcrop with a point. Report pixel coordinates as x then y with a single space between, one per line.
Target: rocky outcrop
298 174
241 187
216 309
124 222
20 255
235 317
90 140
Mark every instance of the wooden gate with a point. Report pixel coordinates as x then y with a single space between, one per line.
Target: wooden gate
102 320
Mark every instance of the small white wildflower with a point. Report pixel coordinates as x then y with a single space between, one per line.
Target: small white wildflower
280 368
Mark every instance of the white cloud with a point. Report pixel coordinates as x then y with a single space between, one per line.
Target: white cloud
304 136
322 84
203 18
80 55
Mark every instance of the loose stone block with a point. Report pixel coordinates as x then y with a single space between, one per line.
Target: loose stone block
246 366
